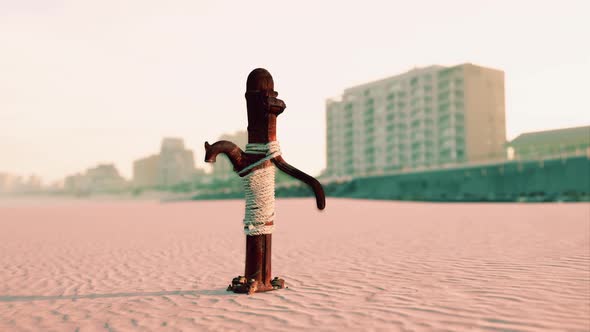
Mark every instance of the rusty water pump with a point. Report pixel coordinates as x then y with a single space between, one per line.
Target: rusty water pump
263 108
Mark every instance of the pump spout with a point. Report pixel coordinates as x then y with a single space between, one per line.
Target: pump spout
235 155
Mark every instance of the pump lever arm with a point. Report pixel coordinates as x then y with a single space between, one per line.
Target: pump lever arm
315 185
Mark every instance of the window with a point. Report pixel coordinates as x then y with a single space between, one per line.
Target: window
442 85
460 129
348 114
460 154
443 119
445 73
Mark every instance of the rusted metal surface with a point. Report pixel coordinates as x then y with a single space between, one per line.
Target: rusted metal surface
263 108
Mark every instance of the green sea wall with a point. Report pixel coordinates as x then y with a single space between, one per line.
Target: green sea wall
529 181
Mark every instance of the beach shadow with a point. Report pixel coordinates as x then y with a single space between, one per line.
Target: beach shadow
29 298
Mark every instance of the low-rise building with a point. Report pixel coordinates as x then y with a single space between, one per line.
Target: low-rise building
551 143
102 178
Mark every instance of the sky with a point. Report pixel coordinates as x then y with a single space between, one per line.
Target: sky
87 82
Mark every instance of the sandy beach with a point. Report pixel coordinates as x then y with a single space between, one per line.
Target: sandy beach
83 265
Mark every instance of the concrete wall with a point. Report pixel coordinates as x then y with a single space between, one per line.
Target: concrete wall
485 116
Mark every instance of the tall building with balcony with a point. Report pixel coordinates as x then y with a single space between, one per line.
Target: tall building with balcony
426 117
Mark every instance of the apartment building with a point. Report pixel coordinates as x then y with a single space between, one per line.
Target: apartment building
426 117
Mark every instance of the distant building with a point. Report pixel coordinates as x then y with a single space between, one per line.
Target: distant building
426 117
223 168
76 183
173 165
551 143
105 177
176 164
8 182
32 184
102 178
145 171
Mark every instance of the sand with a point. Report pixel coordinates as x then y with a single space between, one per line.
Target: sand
359 265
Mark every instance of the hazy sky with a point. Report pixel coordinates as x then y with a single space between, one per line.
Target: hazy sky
84 82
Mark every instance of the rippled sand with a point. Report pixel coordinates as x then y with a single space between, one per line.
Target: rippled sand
359 265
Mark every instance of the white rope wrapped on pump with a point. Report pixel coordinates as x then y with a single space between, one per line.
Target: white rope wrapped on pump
259 187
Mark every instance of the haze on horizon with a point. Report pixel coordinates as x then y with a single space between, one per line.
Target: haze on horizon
85 82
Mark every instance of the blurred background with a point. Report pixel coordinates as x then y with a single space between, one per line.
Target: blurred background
422 100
